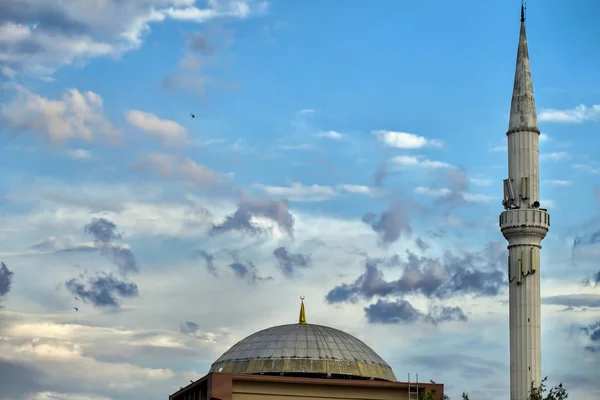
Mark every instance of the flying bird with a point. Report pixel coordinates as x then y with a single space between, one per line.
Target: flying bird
193 116
76 309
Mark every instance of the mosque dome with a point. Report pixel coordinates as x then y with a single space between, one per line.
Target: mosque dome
304 350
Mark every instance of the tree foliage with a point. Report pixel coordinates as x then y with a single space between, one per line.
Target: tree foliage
558 392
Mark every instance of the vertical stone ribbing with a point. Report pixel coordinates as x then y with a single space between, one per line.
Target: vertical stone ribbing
524 225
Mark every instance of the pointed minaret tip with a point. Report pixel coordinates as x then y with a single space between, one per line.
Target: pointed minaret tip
522 110
302 319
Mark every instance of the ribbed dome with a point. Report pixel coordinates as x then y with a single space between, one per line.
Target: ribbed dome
303 349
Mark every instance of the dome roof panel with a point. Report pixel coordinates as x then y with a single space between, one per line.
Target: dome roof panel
314 349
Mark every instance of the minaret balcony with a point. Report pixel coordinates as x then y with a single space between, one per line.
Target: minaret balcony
522 222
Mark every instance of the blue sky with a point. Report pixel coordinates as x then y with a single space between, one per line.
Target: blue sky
349 136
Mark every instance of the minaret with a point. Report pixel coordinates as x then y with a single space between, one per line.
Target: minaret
524 225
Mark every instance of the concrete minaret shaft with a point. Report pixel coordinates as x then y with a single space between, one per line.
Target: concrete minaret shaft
524 224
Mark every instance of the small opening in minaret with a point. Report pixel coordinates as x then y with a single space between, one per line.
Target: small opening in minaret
527 319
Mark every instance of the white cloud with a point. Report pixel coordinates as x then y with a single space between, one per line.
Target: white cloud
299 192
576 114
76 31
64 396
79 154
591 168
65 351
440 192
184 169
307 111
499 148
141 353
165 131
555 156
477 197
78 115
480 181
404 140
558 182
8 72
417 161
543 137
548 203
432 192
356 189
330 135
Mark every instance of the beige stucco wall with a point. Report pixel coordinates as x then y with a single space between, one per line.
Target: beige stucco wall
275 391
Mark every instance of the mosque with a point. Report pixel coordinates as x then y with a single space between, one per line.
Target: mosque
302 361
318 362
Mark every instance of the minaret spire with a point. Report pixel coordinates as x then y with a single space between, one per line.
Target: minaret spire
524 225
522 109
302 319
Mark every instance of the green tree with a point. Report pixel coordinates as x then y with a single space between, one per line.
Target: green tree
558 392
429 395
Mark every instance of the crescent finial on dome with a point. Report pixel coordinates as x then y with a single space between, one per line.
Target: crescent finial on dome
302 319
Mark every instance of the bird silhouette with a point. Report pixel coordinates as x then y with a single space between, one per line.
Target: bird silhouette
76 309
193 116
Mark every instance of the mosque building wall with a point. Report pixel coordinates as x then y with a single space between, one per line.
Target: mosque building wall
219 386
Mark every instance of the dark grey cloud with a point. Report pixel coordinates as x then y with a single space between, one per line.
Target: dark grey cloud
204 53
196 214
439 314
586 248
457 183
574 300
391 223
387 312
102 291
289 262
421 244
188 328
105 233
210 261
274 210
18 380
381 173
479 274
593 333
247 271
5 279
403 312
240 220
198 43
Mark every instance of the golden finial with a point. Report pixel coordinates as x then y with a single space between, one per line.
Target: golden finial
302 313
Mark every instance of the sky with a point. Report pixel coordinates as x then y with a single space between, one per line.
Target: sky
351 154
